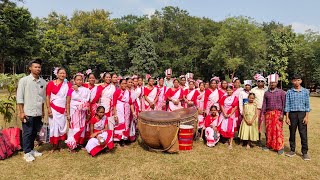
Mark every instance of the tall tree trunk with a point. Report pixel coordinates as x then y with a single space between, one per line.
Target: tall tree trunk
2 66
13 68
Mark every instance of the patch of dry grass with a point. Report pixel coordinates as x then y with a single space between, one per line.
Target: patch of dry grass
201 163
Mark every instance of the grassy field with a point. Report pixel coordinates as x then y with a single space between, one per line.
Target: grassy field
134 162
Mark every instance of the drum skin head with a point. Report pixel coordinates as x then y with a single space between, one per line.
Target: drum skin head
159 116
186 112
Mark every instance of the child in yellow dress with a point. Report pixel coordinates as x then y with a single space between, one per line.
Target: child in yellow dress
249 127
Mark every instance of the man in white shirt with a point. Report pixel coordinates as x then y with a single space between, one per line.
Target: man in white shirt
31 95
259 91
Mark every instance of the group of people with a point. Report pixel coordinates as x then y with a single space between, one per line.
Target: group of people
94 116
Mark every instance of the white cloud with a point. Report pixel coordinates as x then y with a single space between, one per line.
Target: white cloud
149 11
302 28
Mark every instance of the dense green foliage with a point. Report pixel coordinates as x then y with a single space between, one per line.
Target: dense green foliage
236 46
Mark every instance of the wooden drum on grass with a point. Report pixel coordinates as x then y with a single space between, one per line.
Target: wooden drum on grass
159 130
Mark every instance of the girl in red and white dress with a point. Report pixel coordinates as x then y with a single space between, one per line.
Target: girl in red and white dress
228 119
190 95
100 136
137 90
122 105
200 105
211 124
151 94
56 103
212 96
175 96
107 90
77 112
161 104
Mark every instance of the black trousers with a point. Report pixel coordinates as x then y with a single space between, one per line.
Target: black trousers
296 120
30 132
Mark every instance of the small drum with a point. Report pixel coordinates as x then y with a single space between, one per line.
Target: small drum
159 130
189 116
185 137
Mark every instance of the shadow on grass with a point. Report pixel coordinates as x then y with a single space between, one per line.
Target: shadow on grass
142 144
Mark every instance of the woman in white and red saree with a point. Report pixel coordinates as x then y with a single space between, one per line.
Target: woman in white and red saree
95 95
237 89
122 105
223 87
107 92
151 94
161 104
56 102
134 111
212 96
200 105
228 118
100 136
175 96
211 124
141 87
77 113
190 95
137 90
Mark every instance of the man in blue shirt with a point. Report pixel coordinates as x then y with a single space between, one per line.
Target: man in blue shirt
297 112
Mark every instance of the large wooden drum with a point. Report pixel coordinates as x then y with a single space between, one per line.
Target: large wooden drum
188 116
159 130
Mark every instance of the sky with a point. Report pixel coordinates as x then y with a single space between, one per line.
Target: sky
301 14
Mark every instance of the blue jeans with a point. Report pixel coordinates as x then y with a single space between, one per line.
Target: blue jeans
30 131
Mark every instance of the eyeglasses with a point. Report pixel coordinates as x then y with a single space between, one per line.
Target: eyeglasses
260 81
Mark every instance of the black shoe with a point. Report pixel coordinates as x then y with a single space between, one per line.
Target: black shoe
121 143
290 154
306 157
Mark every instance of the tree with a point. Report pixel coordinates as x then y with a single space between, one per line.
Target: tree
144 57
99 46
280 47
87 40
239 49
315 45
233 64
18 37
305 58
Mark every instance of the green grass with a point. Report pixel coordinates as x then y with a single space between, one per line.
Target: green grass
134 162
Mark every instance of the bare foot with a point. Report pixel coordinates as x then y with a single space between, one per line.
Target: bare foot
72 151
248 146
55 148
230 147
